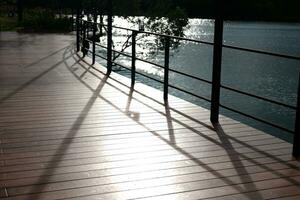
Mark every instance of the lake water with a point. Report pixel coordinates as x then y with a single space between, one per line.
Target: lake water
263 75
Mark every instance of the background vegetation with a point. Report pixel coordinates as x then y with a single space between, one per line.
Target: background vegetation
42 14
37 16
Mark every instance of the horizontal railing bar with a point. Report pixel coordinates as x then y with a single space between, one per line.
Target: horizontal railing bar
86 48
142 74
90 41
88 21
195 95
123 66
122 53
99 45
191 76
138 72
257 119
101 56
151 63
259 97
262 52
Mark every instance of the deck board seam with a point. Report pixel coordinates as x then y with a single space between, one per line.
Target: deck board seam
287 163
288 186
280 143
128 133
184 182
121 160
197 140
110 137
153 178
170 193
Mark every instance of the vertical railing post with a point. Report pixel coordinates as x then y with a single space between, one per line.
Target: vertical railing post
87 25
109 38
101 24
81 27
166 70
77 29
296 145
94 37
216 72
133 58
84 41
72 21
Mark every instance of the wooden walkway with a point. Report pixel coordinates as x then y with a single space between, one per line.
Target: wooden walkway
69 132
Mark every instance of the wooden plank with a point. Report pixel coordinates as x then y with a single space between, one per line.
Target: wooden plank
235 131
190 190
123 142
85 161
279 170
144 146
282 193
104 183
111 168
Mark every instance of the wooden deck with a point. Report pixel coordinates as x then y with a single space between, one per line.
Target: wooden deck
69 132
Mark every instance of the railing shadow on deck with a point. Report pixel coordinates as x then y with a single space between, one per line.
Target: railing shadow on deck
169 122
131 114
60 152
45 57
234 158
37 77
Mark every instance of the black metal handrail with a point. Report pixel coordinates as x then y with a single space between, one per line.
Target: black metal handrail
216 79
262 52
137 72
257 119
151 63
259 97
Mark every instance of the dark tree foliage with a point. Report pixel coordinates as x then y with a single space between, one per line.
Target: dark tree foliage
232 9
244 9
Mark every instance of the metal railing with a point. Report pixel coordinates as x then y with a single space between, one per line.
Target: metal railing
216 85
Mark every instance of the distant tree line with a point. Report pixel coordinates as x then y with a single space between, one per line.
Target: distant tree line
282 10
278 10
